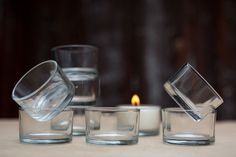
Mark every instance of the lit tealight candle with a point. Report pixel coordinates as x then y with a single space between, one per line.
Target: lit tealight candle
149 117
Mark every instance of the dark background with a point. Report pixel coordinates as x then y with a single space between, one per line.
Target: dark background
141 44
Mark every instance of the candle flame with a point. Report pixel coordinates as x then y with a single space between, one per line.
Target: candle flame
135 101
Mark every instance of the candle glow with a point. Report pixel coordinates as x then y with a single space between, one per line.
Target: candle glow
149 119
135 101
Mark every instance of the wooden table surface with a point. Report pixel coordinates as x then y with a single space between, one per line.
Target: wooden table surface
225 145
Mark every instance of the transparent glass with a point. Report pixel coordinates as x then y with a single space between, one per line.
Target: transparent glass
43 87
79 63
192 92
179 128
79 120
149 123
111 125
56 130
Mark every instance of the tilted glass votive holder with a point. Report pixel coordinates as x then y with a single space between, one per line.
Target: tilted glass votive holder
56 130
192 92
179 128
44 91
112 125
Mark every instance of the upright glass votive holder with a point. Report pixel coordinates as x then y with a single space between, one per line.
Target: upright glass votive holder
149 123
112 125
79 125
179 128
56 130
79 64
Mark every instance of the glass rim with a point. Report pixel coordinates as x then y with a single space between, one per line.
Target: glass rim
77 107
112 109
40 87
47 109
73 46
187 65
181 110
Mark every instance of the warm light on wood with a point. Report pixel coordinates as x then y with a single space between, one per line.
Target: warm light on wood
135 101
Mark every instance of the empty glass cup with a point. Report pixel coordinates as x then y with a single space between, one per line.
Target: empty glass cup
192 92
79 63
55 130
149 123
79 120
112 125
179 128
43 87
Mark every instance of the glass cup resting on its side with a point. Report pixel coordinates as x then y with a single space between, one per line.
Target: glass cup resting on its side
192 92
43 87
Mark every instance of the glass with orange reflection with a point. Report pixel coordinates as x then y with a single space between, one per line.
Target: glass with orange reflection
149 124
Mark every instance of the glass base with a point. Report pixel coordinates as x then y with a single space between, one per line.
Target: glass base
189 139
112 139
45 138
79 116
149 133
77 132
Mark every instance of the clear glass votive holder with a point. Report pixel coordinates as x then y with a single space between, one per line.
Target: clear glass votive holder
79 64
44 91
192 92
150 117
79 125
56 130
179 128
112 125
